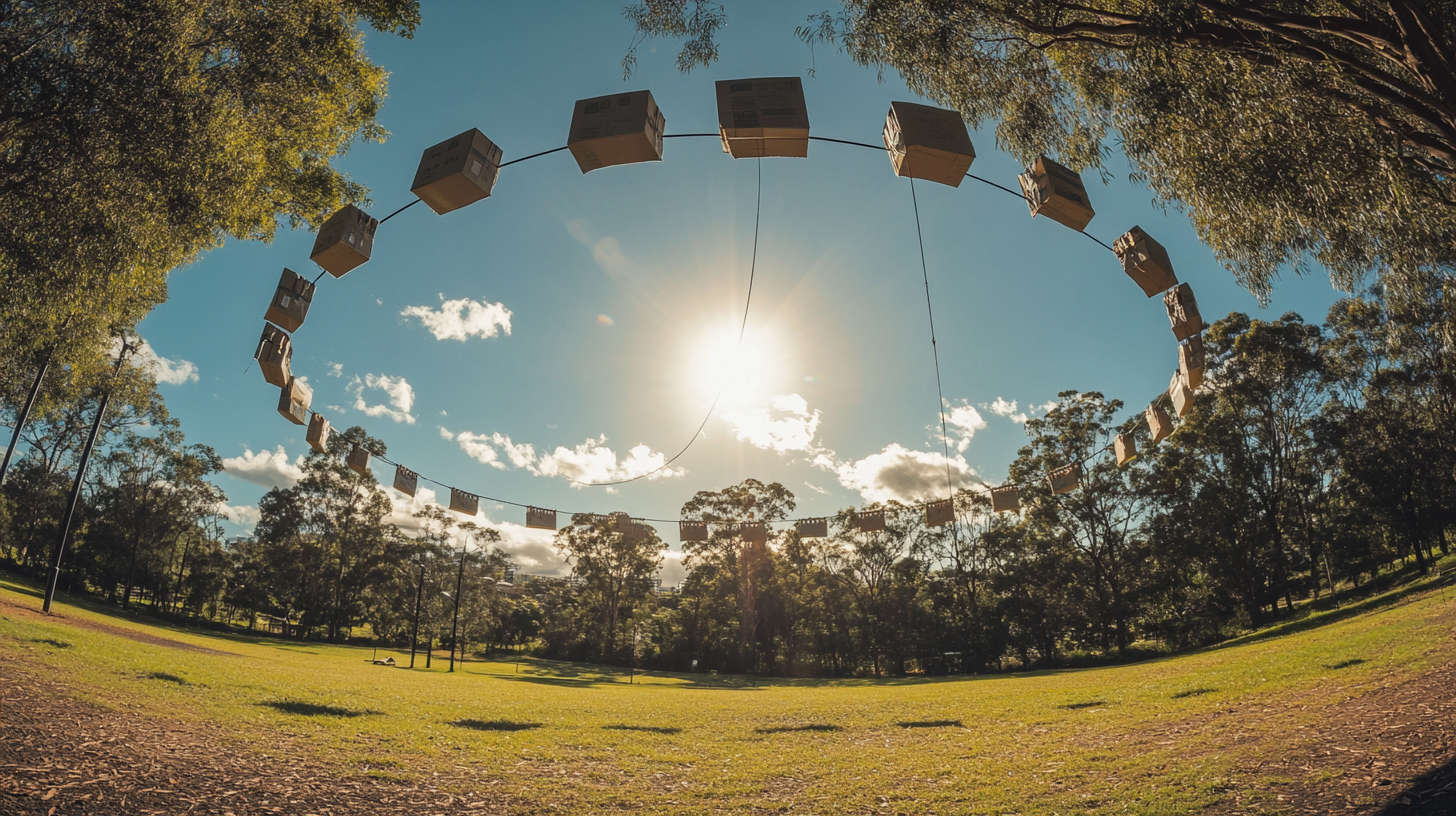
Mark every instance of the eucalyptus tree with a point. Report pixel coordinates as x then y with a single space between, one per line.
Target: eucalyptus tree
617 560
1291 132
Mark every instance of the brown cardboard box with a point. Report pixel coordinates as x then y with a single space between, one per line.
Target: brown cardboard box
275 355
293 401
939 512
290 301
813 528
692 531
763 117
1183 311
1056 192
1181 394
358 460
462 502
1145 261
406 481
1190 361
1065 479
928 143
1125 446
540 519
457 172
754 532
1006 499
618 129
1159 423
344 241
318 433
870 521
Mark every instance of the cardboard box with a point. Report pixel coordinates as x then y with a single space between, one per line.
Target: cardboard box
1159 423
870 521
928 143
344 241
290 301
1145 261
457 172
1181 394
1065 479
406 481
753 532
318 433
293 401
540 518
763 117
1125 446
692 531
1006 499
1056 192
618 129
275 355
939 512
358 460
462 502
813 528
1190 361
1183 312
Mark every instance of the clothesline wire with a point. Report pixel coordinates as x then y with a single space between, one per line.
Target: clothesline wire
743 326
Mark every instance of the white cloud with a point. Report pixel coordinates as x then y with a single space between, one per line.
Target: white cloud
1006 409
399 393
336 369
265 468
532 550
163 370
523 455
336 409
243 516
462 319
816 488
965 421
898 473
673 571
592 461
792 429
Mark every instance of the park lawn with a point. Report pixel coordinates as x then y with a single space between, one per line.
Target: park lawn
1160 737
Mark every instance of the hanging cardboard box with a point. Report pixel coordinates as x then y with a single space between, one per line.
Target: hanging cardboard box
1190 361
753 532
290 301
457 172
540 518
1180 394
358 460
1006 499
763 117
318 433
692 531
1056 192
928 143
813 528
1159 423
1183 311
344 241
406 481
293 401
939 512
1065 479
870 521
1145 261
275 355
1125 446
618 129
465 503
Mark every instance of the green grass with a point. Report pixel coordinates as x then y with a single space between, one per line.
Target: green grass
1166 736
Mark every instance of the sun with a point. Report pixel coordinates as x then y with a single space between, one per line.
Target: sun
745 374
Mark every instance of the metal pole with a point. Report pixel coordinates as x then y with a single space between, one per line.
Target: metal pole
415 632
455 623
23 417
50 592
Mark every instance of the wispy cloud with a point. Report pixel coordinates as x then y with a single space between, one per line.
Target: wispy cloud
243 515
590 461
462 319
165 371
336 370
785 424
265 468
400 397
962 421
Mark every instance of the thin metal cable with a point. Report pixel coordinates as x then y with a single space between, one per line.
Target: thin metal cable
934 351
398 211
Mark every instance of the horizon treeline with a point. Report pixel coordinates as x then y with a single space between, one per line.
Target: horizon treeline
1314 455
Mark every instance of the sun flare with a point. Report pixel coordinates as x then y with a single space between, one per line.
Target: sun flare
745 374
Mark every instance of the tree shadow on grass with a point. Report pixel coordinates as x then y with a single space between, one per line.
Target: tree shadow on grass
1086 704
1433 794
1345 664
170 678
314 709
1191 693
650 729
931 724
494 725
783 729
59 644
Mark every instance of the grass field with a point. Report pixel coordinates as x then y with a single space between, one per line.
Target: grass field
1161 737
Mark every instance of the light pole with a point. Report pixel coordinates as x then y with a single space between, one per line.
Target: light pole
415 631
455 623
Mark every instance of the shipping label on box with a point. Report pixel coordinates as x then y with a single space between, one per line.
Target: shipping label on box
617 129
291 300
457 172
928 143
345 241
763 117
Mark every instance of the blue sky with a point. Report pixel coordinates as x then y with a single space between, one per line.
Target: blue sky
624 289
